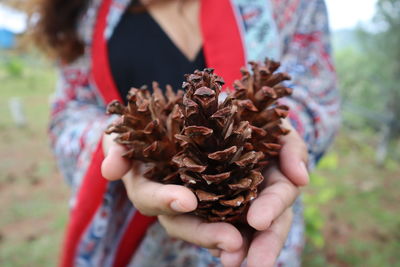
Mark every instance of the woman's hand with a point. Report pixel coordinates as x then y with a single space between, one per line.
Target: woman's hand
149 197
154 199
269 216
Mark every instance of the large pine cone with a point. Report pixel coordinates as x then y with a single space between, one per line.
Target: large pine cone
215 162
218 150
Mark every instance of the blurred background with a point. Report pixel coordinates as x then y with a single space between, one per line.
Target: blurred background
351 211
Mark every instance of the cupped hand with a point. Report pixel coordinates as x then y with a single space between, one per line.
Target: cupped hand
281 184
269 220
149 197
166 201
269 216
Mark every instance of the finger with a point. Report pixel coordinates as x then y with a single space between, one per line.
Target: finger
266 245
152 198
279 194
194 230
294 157
235 259
114 166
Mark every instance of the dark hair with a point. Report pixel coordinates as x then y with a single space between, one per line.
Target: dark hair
56 30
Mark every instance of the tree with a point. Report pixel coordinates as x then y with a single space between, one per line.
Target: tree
369 76
383 49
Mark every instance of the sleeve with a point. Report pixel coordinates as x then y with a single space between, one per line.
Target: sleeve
77 121
315 103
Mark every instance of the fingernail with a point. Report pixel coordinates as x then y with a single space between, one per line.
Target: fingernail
304 169
176 206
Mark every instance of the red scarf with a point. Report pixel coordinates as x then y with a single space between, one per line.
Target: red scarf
223 51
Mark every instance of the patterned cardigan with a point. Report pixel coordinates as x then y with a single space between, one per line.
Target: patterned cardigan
104 228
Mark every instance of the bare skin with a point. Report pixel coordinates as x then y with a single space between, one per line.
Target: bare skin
180 21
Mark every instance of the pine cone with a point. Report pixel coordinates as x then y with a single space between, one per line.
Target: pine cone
223 153
147 127
257 93
217 150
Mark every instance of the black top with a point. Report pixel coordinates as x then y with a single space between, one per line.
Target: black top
141 52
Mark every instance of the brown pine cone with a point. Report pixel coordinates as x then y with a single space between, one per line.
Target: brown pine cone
217 150
147 127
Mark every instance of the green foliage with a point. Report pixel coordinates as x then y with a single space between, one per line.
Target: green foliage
33 202
315 200
14 67
358 79
369 72
382 47
361 223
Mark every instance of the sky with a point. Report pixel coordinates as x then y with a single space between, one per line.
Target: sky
342 14
347 13
12 20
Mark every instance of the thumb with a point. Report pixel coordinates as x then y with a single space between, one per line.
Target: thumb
114 166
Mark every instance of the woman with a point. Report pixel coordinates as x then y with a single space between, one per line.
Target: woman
107 46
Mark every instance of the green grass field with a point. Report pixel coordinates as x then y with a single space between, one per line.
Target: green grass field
352 206
361 222
33 202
